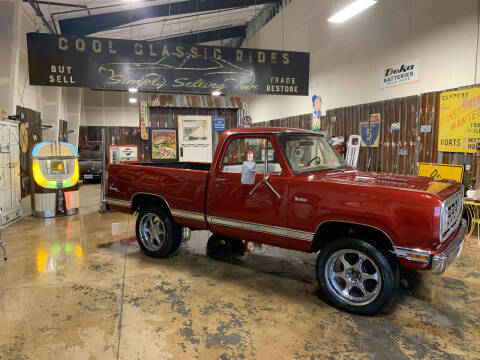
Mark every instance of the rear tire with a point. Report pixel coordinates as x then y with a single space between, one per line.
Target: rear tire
356 276
157 233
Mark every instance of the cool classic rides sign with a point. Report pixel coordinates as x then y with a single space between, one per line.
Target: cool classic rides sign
159 66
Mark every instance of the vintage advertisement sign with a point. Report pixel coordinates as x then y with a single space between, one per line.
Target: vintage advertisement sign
164 144
441 171
143 119
118 154
61 60
459 121
406 72
370 131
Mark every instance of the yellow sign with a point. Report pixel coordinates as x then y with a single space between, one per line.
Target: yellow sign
459 129
441 171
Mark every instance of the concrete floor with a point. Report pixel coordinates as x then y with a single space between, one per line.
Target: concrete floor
80 288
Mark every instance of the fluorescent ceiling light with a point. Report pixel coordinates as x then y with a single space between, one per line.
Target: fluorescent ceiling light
351 10
216 93
132 100
132 90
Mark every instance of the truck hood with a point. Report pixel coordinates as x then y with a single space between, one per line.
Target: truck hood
440 188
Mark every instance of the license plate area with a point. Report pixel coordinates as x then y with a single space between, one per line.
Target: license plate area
88 176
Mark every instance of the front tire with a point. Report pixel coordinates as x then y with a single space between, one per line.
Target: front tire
357 276
157 233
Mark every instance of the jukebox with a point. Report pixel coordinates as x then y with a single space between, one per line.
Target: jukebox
55 179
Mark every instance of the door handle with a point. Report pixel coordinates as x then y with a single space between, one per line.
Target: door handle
220 180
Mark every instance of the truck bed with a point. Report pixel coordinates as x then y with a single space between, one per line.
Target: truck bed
178 165
180 184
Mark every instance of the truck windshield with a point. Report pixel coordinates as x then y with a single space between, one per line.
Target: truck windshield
307 153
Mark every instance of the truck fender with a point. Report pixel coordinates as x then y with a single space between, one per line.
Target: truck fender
141 199
331 230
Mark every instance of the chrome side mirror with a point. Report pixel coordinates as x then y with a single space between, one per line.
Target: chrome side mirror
248 172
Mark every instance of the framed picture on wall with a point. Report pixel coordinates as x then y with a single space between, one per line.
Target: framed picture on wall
164 144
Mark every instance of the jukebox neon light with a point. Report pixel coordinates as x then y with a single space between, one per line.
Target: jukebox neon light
55 173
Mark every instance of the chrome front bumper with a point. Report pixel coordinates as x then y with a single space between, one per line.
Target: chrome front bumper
442 260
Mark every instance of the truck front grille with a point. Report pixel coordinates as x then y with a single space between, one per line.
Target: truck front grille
454 208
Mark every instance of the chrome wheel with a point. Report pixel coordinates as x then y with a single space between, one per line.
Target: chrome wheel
152 232
353 277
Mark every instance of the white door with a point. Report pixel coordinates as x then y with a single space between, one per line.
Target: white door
10 190
195 138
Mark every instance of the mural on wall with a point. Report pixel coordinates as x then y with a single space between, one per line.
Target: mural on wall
370 131
99 63
459 121
164 144
317 112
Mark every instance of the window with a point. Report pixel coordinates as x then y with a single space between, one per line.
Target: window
250 149
307 153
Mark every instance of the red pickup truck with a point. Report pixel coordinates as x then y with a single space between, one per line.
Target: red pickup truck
289 188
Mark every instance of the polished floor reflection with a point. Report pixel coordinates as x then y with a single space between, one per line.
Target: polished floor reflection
80 288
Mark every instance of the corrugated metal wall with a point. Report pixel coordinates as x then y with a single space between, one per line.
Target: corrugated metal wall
165 117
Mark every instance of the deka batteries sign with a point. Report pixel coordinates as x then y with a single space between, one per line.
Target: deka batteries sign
406 72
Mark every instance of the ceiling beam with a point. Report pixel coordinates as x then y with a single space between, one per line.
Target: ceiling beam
205 35
53 3
86 25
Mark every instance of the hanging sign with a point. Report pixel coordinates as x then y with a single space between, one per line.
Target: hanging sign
370 131
143 120
459 121
63 60
219 124
406 72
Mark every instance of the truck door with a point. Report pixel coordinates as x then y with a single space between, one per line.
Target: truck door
256 212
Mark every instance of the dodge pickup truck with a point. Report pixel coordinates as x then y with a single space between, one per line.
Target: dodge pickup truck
289 188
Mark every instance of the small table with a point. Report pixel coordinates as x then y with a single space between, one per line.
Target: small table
472 207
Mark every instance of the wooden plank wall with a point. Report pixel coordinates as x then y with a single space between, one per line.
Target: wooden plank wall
91 136
33 124
399 151
303 121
